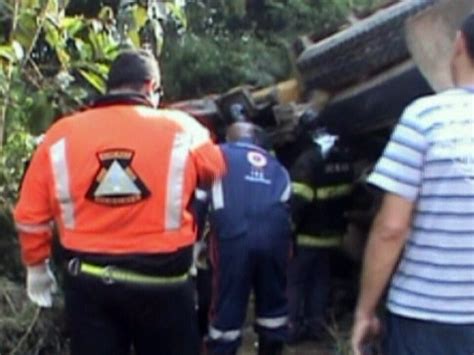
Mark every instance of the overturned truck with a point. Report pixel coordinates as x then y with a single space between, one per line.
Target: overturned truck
358 80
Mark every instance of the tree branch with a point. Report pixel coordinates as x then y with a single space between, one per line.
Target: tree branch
28 331
42 18
9 75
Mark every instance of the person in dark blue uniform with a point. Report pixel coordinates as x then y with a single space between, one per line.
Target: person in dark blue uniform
250 244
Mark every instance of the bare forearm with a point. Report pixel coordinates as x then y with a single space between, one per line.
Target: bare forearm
381 256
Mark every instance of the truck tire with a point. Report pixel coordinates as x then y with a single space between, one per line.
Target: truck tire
359 51
376 103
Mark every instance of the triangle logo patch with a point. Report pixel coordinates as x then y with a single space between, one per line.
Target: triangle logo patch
116 183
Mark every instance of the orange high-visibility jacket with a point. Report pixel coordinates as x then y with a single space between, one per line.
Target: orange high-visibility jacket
115 180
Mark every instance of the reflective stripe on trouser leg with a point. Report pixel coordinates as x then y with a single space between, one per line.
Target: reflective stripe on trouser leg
224 335
272 322
274 329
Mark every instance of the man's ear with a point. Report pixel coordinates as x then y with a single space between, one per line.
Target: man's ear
460 45
149 86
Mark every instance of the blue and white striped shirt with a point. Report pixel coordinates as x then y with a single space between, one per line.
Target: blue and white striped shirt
430 161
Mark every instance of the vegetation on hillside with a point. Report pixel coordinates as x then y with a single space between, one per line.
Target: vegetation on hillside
54 57
54 54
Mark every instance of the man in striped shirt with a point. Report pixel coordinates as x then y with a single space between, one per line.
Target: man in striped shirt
427 218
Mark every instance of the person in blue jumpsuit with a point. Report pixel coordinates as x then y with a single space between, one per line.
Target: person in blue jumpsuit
250 244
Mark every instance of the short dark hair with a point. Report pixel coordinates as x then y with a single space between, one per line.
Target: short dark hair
132 68
467 29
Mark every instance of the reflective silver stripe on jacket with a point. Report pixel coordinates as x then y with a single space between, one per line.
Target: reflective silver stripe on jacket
285 196
33 228
217 195
174 198
225 335
274 322
57 154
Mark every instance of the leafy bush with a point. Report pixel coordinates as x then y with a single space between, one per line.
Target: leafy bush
233 42
197 65
13 157
50 63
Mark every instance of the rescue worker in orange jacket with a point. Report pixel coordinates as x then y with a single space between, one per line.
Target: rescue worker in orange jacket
117 181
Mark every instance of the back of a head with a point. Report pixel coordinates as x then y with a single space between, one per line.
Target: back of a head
246 130
240 130
131 69
467 29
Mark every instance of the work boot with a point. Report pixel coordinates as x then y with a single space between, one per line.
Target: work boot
210 352
296 334
269 347
213 348
315 331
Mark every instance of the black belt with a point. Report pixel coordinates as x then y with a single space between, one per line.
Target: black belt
111 274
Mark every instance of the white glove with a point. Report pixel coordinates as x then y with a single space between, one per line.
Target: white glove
40 284
200 254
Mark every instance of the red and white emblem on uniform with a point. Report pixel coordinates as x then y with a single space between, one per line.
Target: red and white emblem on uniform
257 159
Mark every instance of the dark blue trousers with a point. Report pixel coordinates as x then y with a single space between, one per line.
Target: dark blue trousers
407 336
240 265
309 289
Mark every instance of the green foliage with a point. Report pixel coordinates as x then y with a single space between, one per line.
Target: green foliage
295 17
13 157
194 66
47 68
54 59
12 53
236 42
50 63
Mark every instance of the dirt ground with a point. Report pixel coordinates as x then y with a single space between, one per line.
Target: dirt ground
27 330
333 342
249 347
